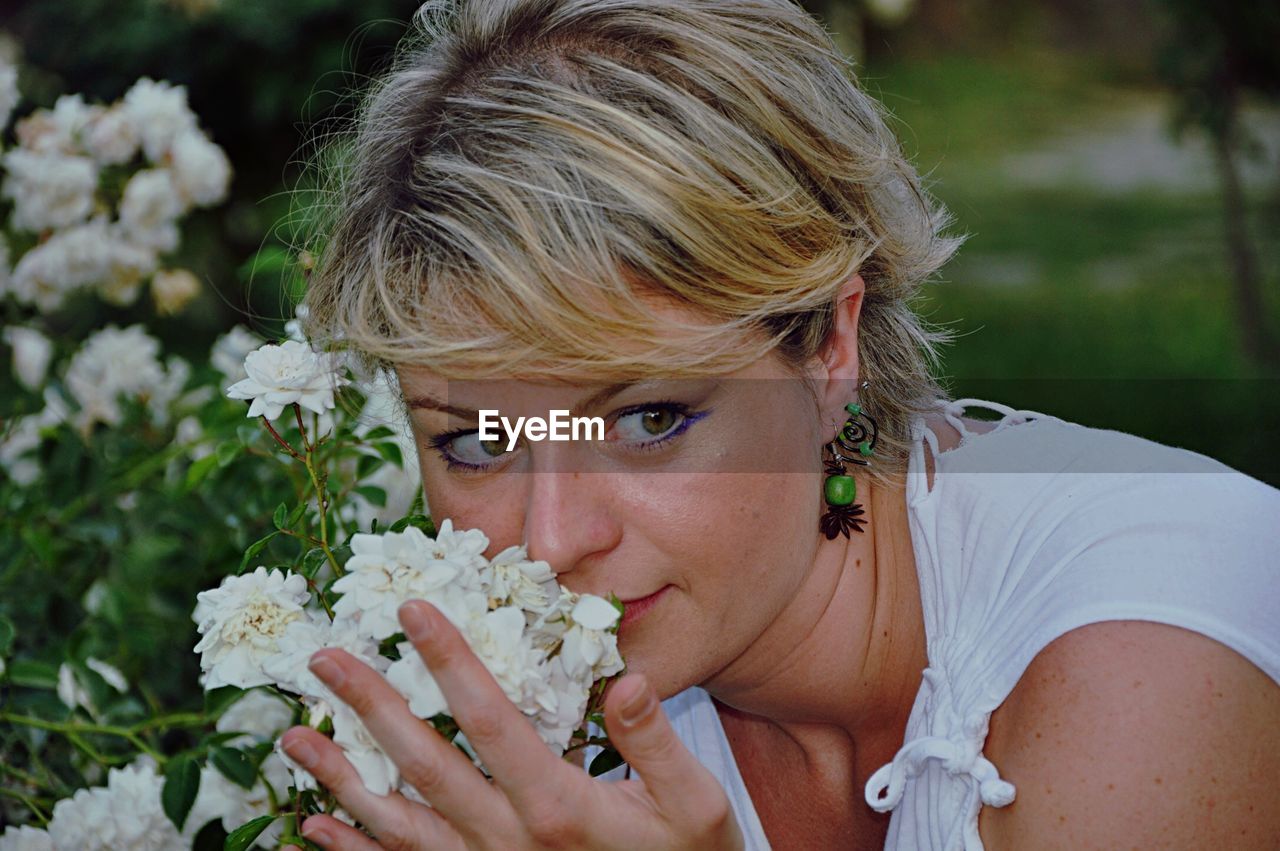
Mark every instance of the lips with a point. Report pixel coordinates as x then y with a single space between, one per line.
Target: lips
634 609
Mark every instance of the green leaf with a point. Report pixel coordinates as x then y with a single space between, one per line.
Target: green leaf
607 760
25 672
227 452
217 700
200 470
379 433
243 836
375 495
254 549
7 633
236 765
281 516
296 515
391 452
181 783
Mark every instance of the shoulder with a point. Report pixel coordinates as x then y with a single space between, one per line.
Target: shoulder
1137 734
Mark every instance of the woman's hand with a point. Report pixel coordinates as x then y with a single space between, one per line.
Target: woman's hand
536 800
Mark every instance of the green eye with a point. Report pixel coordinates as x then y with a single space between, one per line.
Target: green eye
493 448
658 421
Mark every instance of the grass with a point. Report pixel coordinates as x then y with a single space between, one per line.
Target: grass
1110 309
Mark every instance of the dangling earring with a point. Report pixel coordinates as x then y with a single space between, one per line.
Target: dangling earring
855 443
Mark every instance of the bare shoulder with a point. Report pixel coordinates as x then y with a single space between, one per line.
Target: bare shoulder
1136 734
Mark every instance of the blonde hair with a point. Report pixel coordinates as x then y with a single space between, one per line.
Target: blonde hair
531 174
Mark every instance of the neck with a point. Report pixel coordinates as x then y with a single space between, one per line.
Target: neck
849 649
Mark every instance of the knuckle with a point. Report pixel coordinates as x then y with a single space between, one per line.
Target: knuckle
483 725
551 826
423 775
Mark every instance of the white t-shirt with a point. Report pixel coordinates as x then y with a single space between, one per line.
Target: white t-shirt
1030 530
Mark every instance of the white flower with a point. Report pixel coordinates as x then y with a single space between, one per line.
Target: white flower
49 190
112 363
301 639
111 138
25 838
9 96
108 672
201 169
233 805
31 354
287 374
72 694
125 814
57 130
81 256
241 622
390 569
516 581
25 436
150 208
376 769
259 713
588 650
160 113
173 289
229 351
409 676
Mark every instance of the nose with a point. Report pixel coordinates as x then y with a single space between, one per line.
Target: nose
569 518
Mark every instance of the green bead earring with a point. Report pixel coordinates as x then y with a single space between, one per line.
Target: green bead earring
854 443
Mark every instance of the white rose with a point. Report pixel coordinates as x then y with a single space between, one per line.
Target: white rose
111 138
32 352
173 289
241 622
201 169
49 190
229 351
150 209
126 813
159 112
25 838
291 373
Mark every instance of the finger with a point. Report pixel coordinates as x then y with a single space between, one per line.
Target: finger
433 766
521 764
332 835
389 816
681 787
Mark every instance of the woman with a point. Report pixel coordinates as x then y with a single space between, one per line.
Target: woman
684 217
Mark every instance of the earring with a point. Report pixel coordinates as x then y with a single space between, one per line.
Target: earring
854 443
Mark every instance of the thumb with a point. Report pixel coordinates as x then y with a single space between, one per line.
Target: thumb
682 787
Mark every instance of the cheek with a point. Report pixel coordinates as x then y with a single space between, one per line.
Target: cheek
493 509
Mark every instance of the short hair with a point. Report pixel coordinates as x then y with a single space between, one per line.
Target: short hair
529 174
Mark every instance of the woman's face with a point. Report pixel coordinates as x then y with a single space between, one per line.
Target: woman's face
699 508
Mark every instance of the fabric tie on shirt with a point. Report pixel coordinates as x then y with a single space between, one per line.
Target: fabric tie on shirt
960 753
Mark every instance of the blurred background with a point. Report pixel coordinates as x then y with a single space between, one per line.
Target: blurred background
1115 163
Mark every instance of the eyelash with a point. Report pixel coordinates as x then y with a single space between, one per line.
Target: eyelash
440 442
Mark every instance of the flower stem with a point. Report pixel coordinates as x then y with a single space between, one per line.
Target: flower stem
75 730
29 802
322 493
280 440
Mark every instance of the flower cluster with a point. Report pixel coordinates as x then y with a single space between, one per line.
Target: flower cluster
89 239
545 646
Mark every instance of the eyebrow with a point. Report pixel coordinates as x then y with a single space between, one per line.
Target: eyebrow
597 398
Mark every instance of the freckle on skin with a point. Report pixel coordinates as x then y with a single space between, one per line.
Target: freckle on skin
1111 787
1137 683
1159 781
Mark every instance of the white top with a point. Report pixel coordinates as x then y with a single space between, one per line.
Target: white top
1032 529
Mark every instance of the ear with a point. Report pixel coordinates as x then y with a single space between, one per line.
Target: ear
837 369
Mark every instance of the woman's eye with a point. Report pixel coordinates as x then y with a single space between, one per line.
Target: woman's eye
469 449
647 424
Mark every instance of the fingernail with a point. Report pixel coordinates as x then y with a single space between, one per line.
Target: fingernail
327 670
416 623
316 834
638 706
300 752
